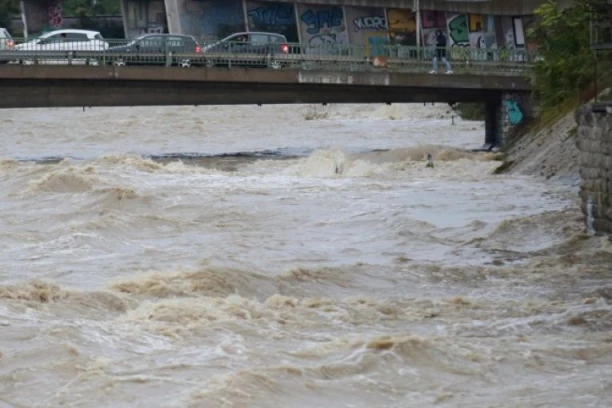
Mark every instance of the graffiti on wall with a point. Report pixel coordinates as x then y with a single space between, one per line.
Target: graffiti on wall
54 14
482 31
370 23
511 32
273 17
320 25
458 34
368 26
513 110
433 19
402 26
212 19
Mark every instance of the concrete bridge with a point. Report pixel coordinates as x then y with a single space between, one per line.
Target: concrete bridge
35 86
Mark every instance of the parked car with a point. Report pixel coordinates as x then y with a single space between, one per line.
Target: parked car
6 40
63 46
247 49
155 49
6 44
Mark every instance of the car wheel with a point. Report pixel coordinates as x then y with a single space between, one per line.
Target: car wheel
119 63
275 65
185 64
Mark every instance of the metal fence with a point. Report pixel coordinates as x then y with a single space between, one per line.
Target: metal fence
271 55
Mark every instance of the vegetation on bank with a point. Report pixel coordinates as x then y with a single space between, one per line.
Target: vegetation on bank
567 64
564 76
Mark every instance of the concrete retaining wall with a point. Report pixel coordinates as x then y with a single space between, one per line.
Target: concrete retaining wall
595 145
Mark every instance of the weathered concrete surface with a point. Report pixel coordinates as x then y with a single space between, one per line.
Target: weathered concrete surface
500 8
595 146
45 86
36 12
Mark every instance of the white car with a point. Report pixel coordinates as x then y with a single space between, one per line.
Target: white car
6 44
62 40
6 41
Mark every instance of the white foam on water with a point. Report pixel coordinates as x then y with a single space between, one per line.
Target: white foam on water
351 272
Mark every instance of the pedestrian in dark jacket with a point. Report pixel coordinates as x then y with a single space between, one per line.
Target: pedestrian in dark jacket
440 53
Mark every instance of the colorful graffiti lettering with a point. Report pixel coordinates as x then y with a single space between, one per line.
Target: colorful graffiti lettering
370 23
458 29
54 13
273 15
515 114
316 20
402 26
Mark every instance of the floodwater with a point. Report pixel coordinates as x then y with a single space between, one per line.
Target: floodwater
290 256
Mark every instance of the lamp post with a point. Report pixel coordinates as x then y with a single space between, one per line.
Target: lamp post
24 19
416 9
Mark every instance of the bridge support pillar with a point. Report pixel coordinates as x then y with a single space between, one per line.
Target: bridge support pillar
493 126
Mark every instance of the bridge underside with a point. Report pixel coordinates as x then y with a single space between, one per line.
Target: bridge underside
30 93
64 86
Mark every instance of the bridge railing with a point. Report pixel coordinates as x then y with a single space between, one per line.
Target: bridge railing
343 57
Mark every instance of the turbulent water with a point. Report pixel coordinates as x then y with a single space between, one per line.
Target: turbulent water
290 256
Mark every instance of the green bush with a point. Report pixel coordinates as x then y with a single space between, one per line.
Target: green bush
567 65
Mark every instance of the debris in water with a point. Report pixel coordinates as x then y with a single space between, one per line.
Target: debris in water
430 162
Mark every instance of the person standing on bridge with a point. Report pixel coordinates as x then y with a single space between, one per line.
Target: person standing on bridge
440 53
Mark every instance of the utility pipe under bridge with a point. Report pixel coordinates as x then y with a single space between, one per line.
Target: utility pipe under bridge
505 96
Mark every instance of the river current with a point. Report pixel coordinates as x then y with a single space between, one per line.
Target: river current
290 256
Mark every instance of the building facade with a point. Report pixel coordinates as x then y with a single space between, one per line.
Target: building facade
484 24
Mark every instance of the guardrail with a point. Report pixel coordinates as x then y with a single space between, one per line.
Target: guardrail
275 56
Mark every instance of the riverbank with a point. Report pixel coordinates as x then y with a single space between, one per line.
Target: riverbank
550 152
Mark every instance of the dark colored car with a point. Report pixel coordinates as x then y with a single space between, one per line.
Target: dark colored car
158 49
247 49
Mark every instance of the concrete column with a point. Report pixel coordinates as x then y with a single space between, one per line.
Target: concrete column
173 17
493 128
124 14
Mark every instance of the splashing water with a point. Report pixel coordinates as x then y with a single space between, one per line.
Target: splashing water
263 257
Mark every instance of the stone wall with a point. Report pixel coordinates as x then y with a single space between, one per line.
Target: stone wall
595 146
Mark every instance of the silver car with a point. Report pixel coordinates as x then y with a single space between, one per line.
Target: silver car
62 46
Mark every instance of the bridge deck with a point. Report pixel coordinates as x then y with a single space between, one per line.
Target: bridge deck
72 85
